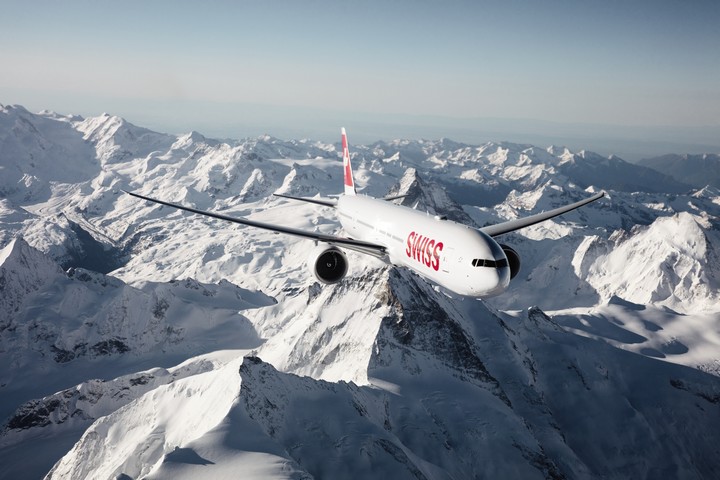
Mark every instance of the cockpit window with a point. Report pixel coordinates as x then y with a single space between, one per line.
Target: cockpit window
481 262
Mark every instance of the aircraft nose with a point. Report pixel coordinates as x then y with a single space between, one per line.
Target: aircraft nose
494 280
492 268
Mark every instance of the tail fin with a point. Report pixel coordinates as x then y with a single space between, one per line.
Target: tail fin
349 181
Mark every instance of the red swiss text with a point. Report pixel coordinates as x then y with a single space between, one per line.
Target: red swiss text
424 249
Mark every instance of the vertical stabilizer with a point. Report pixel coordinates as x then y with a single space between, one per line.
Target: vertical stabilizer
349 181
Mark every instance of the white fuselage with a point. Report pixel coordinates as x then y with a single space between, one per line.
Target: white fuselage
459 258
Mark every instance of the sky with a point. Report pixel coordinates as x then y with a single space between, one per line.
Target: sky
618 75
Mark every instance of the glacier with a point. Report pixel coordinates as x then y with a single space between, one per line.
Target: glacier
140 342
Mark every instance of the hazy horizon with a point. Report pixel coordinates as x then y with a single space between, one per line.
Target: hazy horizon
631 79
241 121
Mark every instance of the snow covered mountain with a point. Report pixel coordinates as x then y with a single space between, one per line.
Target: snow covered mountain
696 170
142 342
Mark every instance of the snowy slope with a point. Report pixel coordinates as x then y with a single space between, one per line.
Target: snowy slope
248 417
59 328
38 150
140 370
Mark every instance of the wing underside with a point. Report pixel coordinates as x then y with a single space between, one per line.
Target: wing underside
349 243
512 225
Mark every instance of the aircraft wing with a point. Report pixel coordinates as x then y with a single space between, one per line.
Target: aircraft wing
328 203
318 201
512 225
349 243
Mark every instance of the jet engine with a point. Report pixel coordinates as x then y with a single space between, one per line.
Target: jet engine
328 263
513 260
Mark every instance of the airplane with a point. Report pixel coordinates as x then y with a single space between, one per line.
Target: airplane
464 260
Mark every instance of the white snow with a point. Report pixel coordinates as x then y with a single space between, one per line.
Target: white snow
207 349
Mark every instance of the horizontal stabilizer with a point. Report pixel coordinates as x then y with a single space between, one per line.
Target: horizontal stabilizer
394 197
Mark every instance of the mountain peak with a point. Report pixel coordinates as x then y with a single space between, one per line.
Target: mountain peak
116 140
671 247
192 139
19 256
426 195
23 270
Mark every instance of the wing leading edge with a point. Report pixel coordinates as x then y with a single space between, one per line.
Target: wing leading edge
349 243
512 225
317 201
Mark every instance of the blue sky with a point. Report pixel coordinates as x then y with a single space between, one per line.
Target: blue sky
523 71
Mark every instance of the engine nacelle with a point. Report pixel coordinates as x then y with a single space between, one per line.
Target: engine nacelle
328 263
513 260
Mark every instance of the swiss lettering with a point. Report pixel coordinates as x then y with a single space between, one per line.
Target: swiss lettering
424 249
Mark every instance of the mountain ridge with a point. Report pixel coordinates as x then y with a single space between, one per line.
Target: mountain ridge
696 170
580 370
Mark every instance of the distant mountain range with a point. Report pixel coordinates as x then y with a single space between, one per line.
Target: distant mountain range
140 342
696 170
